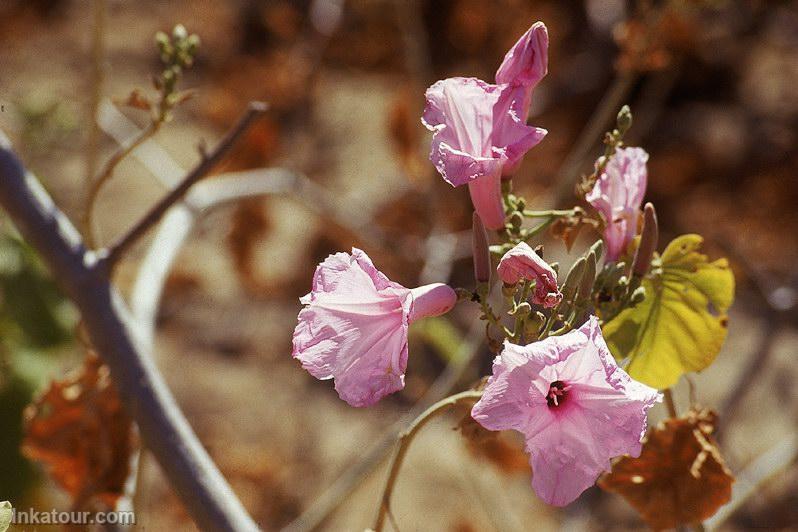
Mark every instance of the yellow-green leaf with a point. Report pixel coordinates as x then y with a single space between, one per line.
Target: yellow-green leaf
681 324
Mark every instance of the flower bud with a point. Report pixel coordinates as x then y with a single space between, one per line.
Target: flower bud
522 310
179 33
588 278
573 279
624 119
648 242
638 295
480 250
598 249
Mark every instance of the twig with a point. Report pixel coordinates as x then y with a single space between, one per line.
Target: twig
669 403
749 480
108 171
116 250
193 475
97 75
406 438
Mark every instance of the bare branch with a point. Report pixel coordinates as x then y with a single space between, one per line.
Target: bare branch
207 496
115 251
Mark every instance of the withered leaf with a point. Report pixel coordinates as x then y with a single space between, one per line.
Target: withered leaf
137 100
680 477
495 447
567 228
80 432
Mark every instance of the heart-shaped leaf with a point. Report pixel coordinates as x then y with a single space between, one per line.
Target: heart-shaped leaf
681 324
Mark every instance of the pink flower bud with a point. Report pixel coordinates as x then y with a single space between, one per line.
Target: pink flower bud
522 263
617 195
431 300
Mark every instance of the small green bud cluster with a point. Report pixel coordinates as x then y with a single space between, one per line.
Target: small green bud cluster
612 140
177 52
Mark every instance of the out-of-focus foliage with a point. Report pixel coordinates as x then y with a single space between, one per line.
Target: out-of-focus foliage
32 312
680 477
34 318
16 473
681 324
81 432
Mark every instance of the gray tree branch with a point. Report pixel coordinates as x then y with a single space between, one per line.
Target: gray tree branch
202 488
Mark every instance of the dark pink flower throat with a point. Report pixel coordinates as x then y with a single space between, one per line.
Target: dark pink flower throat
558 391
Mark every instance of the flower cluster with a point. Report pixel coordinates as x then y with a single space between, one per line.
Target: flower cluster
554 379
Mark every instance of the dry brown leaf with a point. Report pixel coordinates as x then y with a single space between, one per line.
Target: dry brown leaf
495 447
137 100
80 432
680 477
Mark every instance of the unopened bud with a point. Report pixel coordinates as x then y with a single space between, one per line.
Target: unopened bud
533 323
573 279
179 33
624 119
463 294
598 249
588 278
480 250
648 242
638 295
522 310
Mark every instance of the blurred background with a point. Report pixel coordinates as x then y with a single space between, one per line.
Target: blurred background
712 85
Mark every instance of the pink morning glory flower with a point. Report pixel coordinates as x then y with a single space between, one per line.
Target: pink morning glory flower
354 326
479 129
575 407
522 263
617 195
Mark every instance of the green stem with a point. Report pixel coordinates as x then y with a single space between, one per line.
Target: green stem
487 311
539 228
518 327
549 213
406 437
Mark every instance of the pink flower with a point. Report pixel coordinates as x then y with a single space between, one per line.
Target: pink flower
354 327
479 129
617 195
576 408
522 263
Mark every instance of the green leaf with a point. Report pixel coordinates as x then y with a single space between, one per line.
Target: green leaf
681 324
441 335
6 514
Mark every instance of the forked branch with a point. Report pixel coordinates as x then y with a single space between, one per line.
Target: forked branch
193 475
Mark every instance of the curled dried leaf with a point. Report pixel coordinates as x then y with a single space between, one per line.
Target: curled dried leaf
680 477
80 432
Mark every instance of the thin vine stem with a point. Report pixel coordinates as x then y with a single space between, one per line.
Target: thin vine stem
406 438
107 173
670 404
550 213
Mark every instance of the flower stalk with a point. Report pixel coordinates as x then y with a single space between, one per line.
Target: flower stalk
406 438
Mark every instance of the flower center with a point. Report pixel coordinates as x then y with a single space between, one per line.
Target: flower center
558 391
